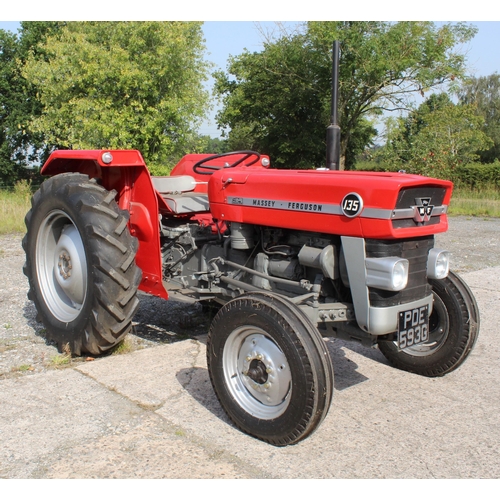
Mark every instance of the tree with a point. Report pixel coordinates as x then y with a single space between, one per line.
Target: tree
484 94
120 85
18 104
7 104
278 100
436 138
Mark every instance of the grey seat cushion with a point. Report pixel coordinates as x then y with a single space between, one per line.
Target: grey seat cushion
186 203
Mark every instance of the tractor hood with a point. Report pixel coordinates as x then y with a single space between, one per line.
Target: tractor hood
361 204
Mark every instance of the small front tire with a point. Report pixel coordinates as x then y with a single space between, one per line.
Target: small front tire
270 368
453 330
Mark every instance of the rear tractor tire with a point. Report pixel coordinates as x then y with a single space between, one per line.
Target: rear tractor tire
80 263
270 368
453 330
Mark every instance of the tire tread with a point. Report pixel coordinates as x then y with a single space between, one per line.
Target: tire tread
103 226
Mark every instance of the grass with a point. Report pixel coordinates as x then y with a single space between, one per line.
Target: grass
22 368
124 347
13 207
61 360
481 203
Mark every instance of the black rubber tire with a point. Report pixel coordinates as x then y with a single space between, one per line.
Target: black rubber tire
105 263
280 328
454 327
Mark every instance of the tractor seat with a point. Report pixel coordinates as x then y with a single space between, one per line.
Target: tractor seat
177 191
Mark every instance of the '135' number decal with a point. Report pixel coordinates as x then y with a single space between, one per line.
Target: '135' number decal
352 204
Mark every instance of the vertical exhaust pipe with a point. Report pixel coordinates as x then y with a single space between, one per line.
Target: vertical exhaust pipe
333 130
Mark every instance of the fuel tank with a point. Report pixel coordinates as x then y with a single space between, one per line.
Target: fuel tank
381 205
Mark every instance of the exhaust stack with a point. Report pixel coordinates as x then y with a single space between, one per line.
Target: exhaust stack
333 130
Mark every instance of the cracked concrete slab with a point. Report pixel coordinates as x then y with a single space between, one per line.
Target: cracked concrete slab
152 413
383 423
65 425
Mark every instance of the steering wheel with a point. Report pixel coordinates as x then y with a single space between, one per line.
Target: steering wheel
200 165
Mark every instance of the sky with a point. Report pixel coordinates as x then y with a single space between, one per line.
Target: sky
231 37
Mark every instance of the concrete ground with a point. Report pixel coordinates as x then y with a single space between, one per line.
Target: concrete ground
153 414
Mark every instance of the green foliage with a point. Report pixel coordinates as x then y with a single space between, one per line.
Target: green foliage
478 176
195 144
123 85
473 176
204 144
435 139
278 101
19 147
7 103
212 145
484 94
271 105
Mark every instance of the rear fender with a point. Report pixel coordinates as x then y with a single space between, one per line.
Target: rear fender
124 171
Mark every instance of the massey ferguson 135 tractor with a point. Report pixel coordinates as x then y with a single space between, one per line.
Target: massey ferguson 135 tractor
289 256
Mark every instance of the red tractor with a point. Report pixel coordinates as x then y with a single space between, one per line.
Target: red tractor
288 256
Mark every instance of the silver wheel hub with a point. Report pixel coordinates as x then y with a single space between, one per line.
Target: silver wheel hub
61 266
257 372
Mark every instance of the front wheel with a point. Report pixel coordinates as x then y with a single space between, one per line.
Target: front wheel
80 262
453 325
269 368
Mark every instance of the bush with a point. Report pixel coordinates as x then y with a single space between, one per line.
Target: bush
478 175
471 176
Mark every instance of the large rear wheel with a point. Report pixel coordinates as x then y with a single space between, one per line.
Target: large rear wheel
80 263
269 368
453 325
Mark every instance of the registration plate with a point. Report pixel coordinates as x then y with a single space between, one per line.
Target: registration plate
413 327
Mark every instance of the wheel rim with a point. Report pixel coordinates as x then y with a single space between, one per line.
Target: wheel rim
61 266
257 373
439 327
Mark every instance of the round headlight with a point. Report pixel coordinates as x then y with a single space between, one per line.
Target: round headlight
400 275
438 264
442 265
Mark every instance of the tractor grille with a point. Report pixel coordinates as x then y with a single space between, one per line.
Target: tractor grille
415 250
408 198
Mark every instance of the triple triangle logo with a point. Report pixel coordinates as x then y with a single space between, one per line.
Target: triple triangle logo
422 210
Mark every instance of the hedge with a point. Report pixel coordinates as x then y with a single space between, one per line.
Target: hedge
478 175
472 175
